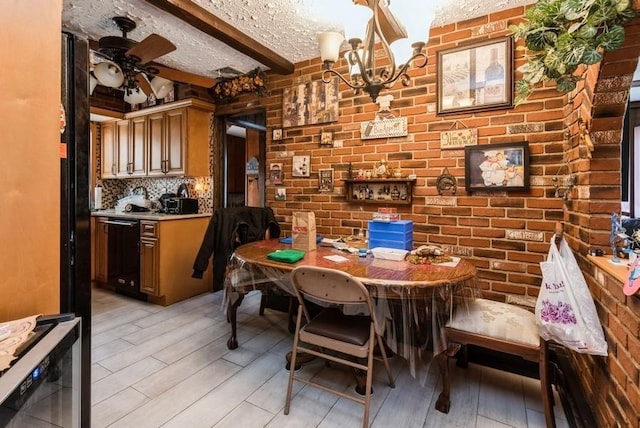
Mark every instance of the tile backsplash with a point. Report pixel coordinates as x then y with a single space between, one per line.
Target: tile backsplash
199 187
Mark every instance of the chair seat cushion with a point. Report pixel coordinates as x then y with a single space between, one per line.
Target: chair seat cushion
332 323
497 320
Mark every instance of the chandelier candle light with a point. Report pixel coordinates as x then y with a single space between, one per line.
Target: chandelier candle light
402 31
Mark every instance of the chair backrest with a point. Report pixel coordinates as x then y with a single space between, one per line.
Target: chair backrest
330 286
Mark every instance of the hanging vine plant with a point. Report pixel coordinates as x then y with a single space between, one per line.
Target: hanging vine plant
561 35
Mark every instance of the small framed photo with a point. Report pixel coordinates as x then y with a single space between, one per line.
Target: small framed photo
497 166
151 100
171 96
276 134
326 138
275 173
476 76
325 180
281 194
301 166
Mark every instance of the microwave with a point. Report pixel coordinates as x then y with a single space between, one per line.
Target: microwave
182 206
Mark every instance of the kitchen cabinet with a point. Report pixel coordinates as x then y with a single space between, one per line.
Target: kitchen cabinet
108 150
178 139
149 258
162 141
101 250
131 135
388 191
168 246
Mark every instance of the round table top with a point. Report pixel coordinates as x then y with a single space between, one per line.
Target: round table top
368 269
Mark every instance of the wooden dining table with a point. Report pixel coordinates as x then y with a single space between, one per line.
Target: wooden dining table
412 301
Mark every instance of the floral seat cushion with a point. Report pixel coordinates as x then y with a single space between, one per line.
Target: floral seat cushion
497 320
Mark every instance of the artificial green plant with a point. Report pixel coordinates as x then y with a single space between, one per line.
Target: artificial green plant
561 35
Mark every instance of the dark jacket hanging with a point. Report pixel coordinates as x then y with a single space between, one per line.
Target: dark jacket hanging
228 229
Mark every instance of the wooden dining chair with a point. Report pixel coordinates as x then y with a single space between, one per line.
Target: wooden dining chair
500 327
332 330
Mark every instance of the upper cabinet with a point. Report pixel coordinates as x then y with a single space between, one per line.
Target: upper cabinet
163 141
108 152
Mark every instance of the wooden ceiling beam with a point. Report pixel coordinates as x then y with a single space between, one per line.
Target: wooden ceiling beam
210 24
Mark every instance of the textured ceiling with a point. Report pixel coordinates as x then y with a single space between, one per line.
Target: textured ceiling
288 27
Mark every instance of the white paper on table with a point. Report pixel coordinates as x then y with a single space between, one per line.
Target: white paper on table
452 263
336 258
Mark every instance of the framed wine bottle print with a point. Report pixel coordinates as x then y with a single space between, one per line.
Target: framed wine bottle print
475 77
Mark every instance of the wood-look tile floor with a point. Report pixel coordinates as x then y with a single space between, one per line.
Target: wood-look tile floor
156 366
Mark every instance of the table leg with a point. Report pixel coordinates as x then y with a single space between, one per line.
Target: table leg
444 402
232 310
302 358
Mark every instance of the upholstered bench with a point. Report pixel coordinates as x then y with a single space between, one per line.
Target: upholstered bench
500 327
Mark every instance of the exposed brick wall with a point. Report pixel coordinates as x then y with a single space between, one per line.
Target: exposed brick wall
611 384
486 226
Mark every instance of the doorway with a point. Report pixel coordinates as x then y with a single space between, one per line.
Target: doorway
243 159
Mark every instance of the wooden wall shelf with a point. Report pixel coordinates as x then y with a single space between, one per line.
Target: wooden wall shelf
388 191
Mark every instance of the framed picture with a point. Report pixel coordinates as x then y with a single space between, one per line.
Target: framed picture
276 134
301 166
281 194
497 167
325 180
275 173
326 138
476 77
310 103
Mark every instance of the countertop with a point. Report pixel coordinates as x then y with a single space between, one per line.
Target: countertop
146 215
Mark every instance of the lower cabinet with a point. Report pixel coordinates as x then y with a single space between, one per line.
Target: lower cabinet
167 251
149 258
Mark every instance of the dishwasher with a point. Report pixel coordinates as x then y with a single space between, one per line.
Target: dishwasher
124 257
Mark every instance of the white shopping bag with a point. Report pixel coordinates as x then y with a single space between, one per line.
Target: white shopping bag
565 312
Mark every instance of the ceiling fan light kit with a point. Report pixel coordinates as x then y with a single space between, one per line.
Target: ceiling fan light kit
109 74
134 96
161 86
402 41
127 63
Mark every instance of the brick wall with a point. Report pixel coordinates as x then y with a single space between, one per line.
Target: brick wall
611 384
489 227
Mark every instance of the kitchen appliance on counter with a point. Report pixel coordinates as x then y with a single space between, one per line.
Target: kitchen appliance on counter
133 203
179 205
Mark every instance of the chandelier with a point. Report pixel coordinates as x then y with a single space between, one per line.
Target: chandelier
402 41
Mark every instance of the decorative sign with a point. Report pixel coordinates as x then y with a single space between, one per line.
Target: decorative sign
253 166
457 138
385 128
522 235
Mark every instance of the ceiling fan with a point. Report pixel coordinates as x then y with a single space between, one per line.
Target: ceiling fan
128 64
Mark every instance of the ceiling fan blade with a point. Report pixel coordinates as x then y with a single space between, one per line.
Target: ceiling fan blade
151 48
184 77
144 84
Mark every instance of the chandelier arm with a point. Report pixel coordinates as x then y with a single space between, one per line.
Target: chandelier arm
326 79
403 70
